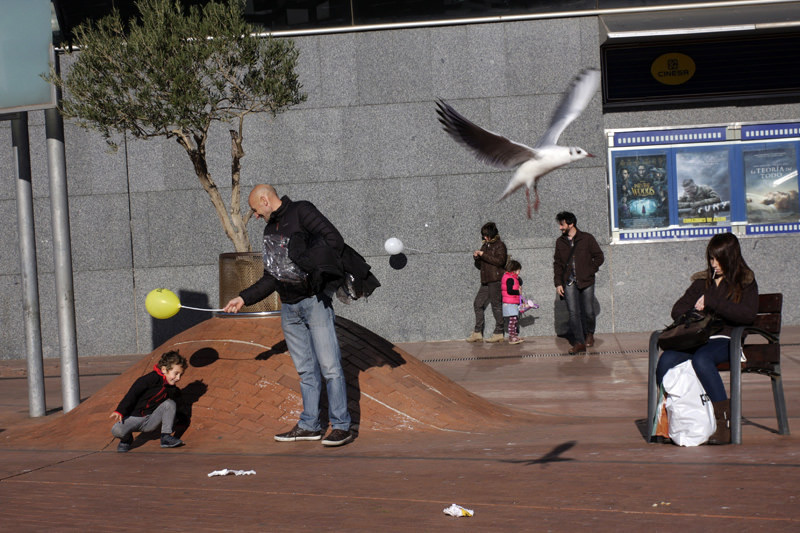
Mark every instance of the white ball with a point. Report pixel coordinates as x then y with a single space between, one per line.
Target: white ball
393 246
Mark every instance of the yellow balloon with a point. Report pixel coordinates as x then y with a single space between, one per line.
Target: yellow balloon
162 303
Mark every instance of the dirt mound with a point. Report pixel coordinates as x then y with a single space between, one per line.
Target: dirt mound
243 388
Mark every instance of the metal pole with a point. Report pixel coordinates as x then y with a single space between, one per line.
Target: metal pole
62 259
27 254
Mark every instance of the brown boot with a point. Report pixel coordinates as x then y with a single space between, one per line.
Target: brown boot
496 337
475 337
577 348
722 412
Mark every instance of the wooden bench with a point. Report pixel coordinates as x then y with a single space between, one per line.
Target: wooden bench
763 357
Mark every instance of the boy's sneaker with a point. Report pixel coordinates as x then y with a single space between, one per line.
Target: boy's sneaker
337 437
515 340
298 433
168 441
125 444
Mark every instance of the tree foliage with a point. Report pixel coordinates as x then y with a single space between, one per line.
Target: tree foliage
171 73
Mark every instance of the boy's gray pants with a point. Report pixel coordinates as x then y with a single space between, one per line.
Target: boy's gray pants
163 415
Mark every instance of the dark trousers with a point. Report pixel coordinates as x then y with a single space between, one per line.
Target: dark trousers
704 360
489 294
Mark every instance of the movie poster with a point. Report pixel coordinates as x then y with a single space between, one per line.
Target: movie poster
641 191
703 182
770 175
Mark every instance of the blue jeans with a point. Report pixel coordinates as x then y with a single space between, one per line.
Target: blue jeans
704 360
580 304
310 333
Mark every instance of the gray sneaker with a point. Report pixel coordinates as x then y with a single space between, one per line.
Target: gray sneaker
168 441
297 433
125 444
337 437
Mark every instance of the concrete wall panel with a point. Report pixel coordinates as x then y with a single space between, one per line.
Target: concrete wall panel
368 150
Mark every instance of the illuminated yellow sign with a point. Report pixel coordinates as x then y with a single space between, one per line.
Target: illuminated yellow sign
673 68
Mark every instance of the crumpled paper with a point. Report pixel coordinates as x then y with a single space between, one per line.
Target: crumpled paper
457 510
225 472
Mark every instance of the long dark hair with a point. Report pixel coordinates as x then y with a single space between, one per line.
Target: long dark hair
724 247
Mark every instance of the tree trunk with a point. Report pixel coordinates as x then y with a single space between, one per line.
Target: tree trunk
233 228
239 221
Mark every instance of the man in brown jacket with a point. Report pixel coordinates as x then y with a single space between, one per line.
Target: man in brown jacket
491 261
575 262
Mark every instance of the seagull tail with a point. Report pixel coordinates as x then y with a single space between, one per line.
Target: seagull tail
510 188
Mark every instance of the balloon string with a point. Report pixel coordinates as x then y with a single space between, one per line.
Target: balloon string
199 308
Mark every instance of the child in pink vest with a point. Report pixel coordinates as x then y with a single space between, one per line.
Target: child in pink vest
510 288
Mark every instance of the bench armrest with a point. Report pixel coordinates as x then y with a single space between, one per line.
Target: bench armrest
746 330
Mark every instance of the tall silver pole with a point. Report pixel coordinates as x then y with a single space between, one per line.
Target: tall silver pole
27 254
62 259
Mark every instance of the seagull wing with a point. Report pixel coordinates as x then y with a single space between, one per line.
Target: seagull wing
487 146
572 105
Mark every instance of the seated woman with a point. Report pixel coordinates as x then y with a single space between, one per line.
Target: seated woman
728 288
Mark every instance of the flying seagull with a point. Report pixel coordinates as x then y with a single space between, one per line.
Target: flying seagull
532 163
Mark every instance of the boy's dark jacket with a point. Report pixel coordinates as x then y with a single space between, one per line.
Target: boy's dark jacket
147 393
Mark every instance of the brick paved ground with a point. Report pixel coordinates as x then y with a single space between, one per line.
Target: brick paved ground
531 439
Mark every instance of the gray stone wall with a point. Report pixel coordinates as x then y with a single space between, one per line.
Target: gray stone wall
367 149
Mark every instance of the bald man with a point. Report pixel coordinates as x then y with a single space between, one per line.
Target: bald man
307 316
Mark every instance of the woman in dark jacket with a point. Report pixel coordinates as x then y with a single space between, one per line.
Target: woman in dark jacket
727 288
491 261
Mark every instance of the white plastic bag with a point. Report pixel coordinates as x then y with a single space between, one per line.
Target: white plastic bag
458 511
689 409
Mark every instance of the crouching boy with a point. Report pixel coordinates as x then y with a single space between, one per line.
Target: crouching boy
150 402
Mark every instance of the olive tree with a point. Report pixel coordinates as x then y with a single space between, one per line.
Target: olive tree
171 73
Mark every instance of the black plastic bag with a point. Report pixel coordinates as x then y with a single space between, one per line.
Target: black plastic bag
690 331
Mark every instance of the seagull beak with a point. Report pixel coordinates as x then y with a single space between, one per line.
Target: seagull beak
589 155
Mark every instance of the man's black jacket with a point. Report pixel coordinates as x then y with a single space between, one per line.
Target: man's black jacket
316 246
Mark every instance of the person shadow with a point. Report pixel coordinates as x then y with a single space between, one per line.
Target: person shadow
361 350
561 318
274 350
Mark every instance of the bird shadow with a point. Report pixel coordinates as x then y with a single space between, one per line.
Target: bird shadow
553 456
